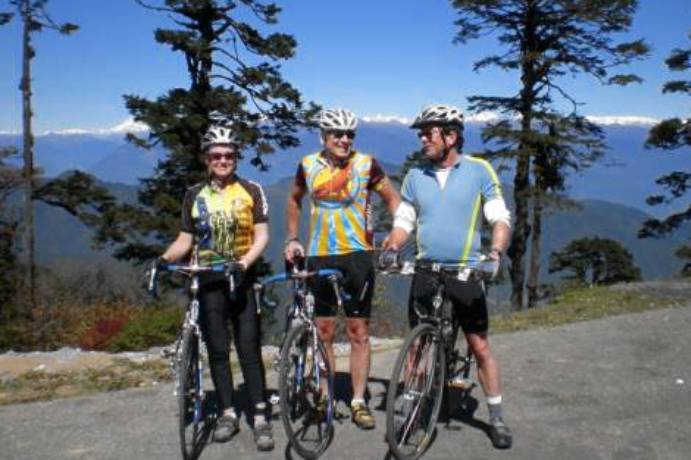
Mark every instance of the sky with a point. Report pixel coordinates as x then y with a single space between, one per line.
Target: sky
377 58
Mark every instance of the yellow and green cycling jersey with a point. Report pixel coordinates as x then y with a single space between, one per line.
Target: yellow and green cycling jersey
222 220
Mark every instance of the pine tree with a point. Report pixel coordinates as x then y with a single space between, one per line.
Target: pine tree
234 79
672 134
35 18
542 41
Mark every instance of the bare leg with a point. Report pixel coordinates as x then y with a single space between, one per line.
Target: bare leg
488 368
360 354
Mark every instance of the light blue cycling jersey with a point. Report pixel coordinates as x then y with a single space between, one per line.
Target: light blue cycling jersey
449 218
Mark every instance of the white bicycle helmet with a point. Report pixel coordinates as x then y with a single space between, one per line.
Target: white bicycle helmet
337 119
218 135
439 114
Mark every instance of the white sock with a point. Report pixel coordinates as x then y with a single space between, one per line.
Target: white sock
259 416
355 401
494 399
230 412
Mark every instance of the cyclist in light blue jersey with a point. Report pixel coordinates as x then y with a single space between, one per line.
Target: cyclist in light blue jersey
446 199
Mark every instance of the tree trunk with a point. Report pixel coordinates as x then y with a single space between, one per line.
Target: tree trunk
535 245
521 182
521 231
28 173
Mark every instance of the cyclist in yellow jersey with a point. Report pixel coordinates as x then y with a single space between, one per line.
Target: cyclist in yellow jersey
339 181
227 218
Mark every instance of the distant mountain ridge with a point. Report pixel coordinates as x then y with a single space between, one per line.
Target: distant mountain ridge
61 236
626 176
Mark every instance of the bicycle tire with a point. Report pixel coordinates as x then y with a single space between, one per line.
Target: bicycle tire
413 404
190 417
309 430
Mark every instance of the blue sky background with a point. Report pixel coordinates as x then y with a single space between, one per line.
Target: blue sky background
375 57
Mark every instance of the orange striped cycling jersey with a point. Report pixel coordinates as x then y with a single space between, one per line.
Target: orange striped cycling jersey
222 221
341 215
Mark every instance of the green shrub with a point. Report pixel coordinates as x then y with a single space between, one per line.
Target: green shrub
149 327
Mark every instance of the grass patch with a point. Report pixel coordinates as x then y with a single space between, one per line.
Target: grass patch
43 386
581 304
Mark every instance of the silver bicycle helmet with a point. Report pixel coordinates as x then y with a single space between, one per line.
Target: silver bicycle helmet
439 114
337 119
218 135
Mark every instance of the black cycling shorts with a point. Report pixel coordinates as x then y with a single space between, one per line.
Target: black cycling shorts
467 298
358 269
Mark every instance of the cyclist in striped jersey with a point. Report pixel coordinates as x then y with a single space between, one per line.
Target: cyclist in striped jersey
340 182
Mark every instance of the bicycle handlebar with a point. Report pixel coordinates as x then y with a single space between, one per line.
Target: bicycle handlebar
333 275
229 268
484 269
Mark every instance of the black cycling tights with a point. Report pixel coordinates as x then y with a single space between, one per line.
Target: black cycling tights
216 310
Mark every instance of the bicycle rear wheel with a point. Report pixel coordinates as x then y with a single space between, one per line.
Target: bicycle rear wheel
415 392
191 419
305 383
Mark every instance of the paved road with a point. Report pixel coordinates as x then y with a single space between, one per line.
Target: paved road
617 388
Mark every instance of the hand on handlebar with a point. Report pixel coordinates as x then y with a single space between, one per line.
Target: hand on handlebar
388 260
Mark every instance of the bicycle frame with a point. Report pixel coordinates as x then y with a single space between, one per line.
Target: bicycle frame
303 367
191 321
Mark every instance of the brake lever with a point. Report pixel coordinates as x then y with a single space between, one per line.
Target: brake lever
257 296
151 287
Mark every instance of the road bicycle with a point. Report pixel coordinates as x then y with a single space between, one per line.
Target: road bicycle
429 363
305 379
185 356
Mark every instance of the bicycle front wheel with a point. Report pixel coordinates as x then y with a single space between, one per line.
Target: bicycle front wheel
415 392
189 397
305 383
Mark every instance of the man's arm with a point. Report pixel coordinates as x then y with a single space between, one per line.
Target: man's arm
501 233
403 224
390 197
293 209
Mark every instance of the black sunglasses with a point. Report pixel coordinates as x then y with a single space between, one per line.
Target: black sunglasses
429 132
340 133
